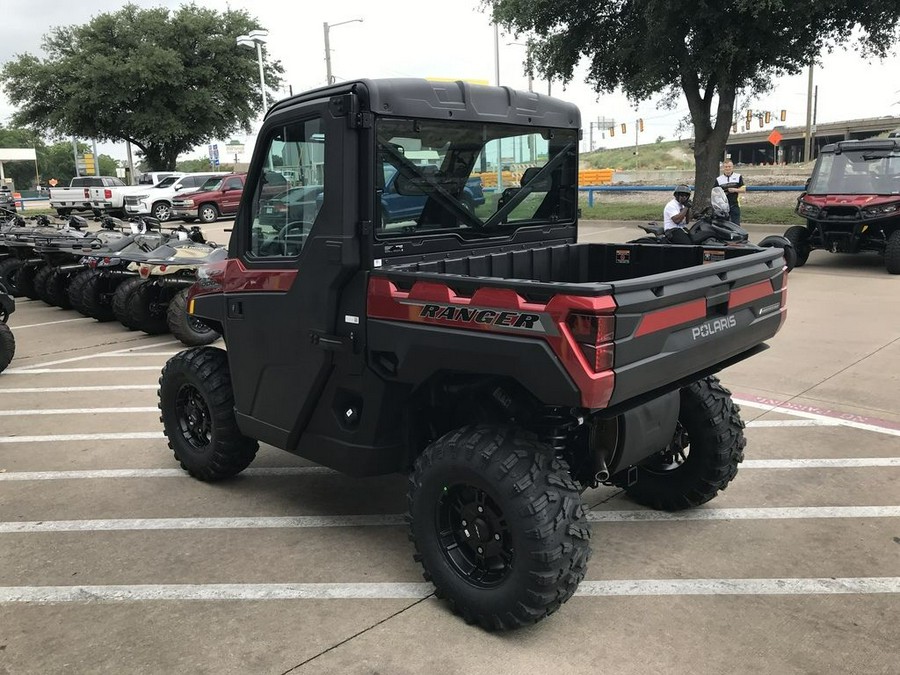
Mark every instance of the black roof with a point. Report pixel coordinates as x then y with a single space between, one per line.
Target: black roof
426 99
884 144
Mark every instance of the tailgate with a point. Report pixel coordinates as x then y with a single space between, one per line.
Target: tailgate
671 326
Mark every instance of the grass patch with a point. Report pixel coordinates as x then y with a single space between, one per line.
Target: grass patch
761 215
665 155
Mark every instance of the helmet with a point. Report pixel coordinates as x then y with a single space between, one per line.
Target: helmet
682 190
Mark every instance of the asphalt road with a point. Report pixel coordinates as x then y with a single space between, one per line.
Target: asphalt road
111 560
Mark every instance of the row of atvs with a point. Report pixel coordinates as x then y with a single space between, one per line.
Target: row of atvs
133 271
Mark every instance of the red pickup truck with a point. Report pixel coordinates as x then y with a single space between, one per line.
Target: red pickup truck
219 196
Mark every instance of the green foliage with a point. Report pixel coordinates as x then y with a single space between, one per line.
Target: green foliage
660 155
709 51
195 165
165 81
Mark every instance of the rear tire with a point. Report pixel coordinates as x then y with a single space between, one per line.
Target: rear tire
710 429
9 273
40 283
75 289
790 255
498 525
192 332
892 253
799 238
120 300
97 295
196 403
7 346
145 309
25 281
56 289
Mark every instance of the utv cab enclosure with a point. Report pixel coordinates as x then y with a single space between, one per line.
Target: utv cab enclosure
852 202
475 346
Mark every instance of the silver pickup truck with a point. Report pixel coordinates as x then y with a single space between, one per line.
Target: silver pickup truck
77 197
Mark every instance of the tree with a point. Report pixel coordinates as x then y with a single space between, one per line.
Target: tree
166 82
195 165
709 51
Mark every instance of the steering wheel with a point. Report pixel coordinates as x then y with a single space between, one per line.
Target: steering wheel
293 225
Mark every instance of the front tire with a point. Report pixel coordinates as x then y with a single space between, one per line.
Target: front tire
192 332
703 456
56 289
498 525
790 255
196 403
9 274
76 285
208 213
892 253
7 346
40 283
799 238
120 300
161 211
25 281
145 309
97 294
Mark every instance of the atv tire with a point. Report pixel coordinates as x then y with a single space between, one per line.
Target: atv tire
56 289
144 310
9 273
710 429
892 253
97 296
192 332
25 281
40 283
790 255
120 300
498 525
75 288
7 346
196 403
799 238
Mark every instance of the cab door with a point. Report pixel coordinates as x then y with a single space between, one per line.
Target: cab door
282 296
232 191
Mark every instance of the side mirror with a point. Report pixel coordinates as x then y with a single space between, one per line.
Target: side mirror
806 185
177 188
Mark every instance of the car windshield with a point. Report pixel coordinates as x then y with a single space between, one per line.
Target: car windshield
855 172
166 182
210 184
472 178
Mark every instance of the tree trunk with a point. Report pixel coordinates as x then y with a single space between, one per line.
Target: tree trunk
709 145
161 157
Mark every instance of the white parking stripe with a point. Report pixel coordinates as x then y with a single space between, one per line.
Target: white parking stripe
413 591
751 464
391 519
794 423
33 370
64 438
814 416
67 390
50 323
121 355
77 411
155 473
85 357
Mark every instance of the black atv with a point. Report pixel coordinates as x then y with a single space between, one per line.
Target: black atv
7 341
714 229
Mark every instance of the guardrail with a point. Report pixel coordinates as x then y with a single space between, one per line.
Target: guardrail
591 189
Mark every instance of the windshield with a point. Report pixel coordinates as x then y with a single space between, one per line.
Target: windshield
210 185
855 172
166 182
472 178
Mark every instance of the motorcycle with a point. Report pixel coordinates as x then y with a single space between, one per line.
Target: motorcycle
713 228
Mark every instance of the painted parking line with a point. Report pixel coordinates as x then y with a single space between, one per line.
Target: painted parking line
394 519
31 370
98 474
68 390
50 323
85 357
414 591
851 420
78 411
65 438
794 423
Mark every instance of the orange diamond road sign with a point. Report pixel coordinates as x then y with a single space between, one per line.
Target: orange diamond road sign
775 137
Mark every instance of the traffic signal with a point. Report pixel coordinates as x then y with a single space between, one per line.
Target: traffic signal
749 117
760 121
734 128
612 132
783 115
624 128
641 125
768 117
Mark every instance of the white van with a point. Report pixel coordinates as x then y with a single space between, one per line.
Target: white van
156 200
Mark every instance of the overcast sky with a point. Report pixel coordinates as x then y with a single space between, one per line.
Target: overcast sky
427 38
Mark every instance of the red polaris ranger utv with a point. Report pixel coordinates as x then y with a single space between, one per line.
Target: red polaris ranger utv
475 346
852 202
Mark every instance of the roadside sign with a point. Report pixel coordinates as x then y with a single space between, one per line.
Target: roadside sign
775 137
214 154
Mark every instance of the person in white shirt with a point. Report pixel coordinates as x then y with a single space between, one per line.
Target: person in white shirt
733 184
676 216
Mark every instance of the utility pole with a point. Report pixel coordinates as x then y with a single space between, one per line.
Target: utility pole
75 154
328 78
807 134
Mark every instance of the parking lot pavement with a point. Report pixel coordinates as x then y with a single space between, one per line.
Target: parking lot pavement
111 559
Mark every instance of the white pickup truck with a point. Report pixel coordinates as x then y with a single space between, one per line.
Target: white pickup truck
77 196
156 200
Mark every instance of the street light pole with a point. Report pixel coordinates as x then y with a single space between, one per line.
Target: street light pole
329 78
257 38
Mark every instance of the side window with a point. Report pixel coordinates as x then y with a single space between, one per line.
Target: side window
234 184
283 212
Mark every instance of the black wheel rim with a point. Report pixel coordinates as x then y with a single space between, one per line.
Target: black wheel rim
474 535
675 456
198 326
194 418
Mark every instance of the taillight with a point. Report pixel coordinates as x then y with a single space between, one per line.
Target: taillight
595 335
87 193
107 194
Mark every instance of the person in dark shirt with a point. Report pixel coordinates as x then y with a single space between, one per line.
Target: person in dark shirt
733 185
